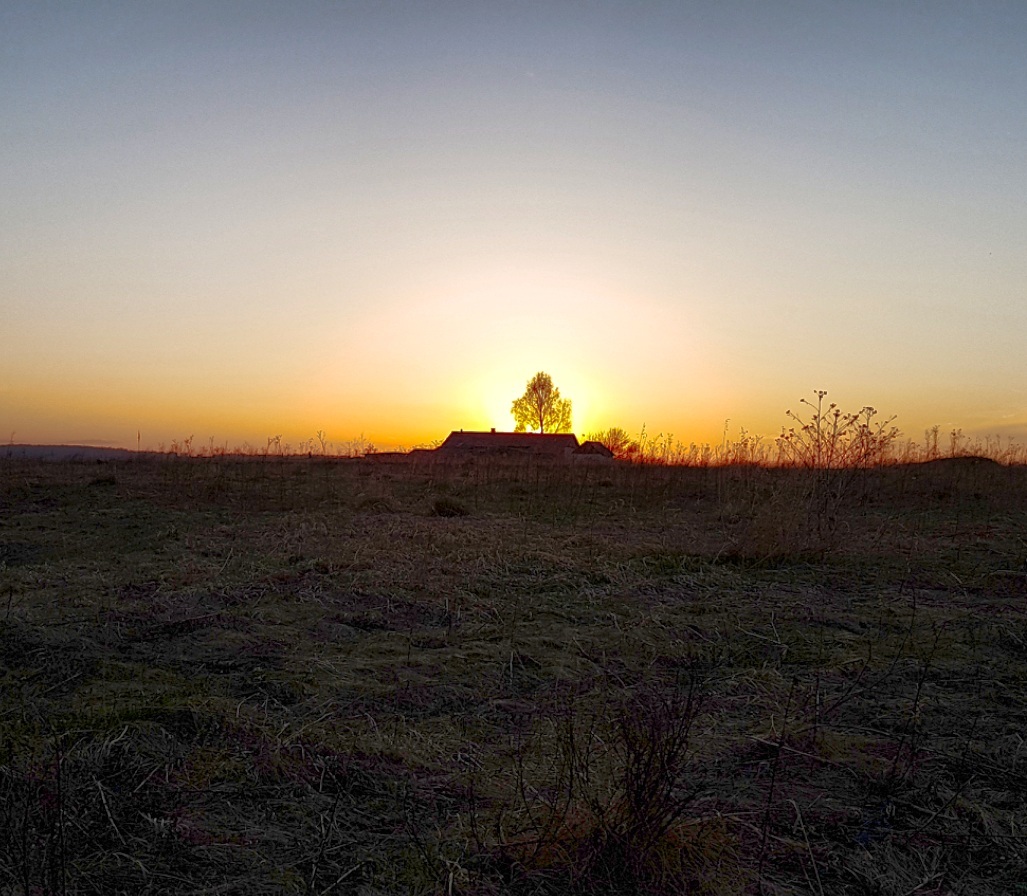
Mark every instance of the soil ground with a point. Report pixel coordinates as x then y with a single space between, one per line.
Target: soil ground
303 675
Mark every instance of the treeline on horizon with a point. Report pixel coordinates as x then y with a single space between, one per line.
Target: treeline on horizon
824 437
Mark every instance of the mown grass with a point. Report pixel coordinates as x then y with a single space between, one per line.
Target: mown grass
292 675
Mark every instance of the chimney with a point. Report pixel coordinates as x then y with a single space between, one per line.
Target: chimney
493 430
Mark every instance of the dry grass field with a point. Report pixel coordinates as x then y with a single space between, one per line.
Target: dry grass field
322 676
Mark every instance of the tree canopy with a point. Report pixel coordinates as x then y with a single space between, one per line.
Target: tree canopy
541 408
617 440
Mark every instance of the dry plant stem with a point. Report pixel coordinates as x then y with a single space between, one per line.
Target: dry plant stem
327 826
774 765
809 848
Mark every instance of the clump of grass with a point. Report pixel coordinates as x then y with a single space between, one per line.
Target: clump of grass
620 815
376 503
449 507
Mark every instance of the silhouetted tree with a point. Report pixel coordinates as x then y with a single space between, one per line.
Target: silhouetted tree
617 440
541 407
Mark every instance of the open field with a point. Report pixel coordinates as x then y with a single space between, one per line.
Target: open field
280 675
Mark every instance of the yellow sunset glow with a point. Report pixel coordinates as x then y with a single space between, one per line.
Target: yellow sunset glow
375 222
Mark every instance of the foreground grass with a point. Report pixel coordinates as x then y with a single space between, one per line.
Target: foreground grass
300 676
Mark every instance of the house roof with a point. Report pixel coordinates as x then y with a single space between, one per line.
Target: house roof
593 447
512 442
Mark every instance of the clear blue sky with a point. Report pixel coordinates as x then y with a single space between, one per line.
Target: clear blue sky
235 220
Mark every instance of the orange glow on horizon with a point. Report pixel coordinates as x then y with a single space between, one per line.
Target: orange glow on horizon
390 239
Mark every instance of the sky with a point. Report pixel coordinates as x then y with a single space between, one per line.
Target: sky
241 220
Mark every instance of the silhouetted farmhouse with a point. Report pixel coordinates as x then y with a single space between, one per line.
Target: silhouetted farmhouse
593 449
555 446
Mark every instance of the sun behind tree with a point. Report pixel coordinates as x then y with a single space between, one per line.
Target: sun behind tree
541 407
